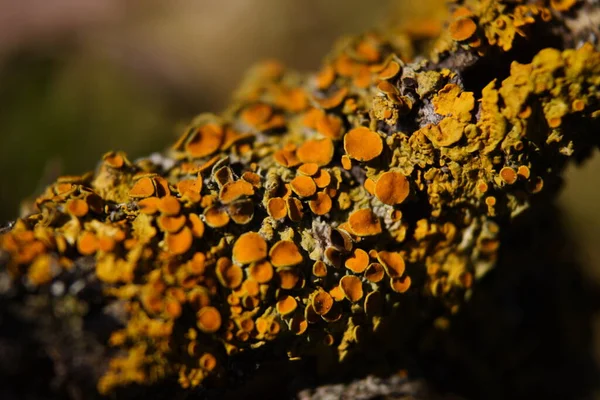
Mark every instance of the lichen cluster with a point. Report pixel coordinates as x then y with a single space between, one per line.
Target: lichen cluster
315 204
481 25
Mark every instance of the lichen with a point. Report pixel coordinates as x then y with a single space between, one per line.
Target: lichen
316 203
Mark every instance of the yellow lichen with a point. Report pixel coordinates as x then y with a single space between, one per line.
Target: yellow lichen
302 211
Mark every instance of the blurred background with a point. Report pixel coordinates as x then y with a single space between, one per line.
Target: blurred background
82 77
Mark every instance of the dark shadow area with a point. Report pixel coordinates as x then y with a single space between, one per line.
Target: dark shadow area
527 330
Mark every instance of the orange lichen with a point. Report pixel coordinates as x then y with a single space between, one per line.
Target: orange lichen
329 125
554 122
364 223
190 186
63 188
298 325
448 132
316 151
325 77
285 253
391 70
392 261
216 217
321 204
261 272
197 264
319 269
114 159
87 243
144 187
400 284
375 272
362 144
292 99
241 211
524 172
149 205
257 114
294 209
253 178
249 247
387 88
288 278
358 262
337 293
286 158
208 362
322 179
171 224
309 169
273 221
232 191
77 207
181 242
367 51
205 141
370 186
196 225
252 288
352 288
578 105
40 271
328 340
303 186
462 28
508 175
173 308
230 275
286 305
169 205
392 188
334 100
346 162
276 207
208 319
322 302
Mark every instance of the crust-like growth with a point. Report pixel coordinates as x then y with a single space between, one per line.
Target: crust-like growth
279 219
